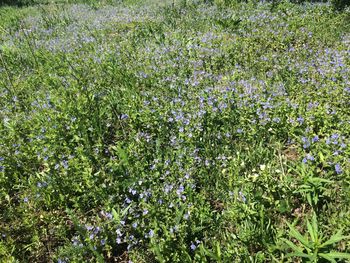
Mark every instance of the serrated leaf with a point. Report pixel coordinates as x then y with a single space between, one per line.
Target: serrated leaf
311 231
321 156
320 180
335 254
122 155
188 257
334 239
179 215
125 210
313 228
218 251
115 215
158 253
315 225
292 245
296 234
207 252
302 255
325 256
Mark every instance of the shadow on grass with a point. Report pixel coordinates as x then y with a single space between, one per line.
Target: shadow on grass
21 3
15 3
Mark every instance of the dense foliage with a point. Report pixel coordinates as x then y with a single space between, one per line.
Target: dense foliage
336 4
178 131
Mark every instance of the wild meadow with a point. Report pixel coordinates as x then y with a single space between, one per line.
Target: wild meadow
174 131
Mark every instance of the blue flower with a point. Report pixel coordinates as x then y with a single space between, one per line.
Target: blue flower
124 116
186 216
300 120
193 246
244 199
315 139
151 233
338 169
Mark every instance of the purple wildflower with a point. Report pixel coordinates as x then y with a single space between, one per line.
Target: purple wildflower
193 246
338 169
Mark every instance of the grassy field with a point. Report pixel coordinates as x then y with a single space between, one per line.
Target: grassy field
174 131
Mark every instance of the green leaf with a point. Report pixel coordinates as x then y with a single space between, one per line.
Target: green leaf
317 180
315 225
115 215
122 155
179 215
157 251
283 206
334 239
207 252
325 256
302 255
293 246
125 210
335 255
295 233
311 231
313 228
187 257
309 199
321 156
218 251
